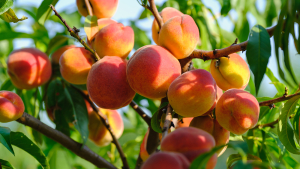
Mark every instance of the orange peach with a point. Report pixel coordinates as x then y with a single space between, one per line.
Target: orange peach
184 122
101 8
75 64
166 160
98 132
212 126
107 83
191 142
114 40
151 70
104 22
179 35
218 95
232 72
11 106
193 93
166 14
237 111
57 54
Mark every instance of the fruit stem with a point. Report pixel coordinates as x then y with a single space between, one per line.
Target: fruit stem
89 7
155 13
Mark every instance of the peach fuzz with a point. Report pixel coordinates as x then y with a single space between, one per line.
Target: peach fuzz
191 142
151 70
166 14
166 160
237 111
75 64
107 83
191 89
114 40
212 126
11 106
57 54
101 8
179 35
232 72
28 68
98 132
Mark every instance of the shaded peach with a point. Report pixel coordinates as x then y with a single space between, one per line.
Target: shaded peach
191 142
212 126
193 93
184 122
28 68
237 111
98 132
166 160
114 40
107 83
11 106
151 70
75 64
166 14
101 8
57 54
143 148
179 35
218 95
232 72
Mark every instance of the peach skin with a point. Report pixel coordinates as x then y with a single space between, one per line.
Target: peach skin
28 68
151 70
232 72
101 8
237 111
11 106
184 122
191 89
57 54
143 149
179 35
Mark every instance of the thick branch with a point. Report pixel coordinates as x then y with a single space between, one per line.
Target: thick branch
279 99
89 7
167 122
77 148
155 13
136 107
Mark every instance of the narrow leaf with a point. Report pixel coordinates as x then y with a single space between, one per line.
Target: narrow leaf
7 85
225 7
5 138
155 124
91 27
44 11
55 42
5 164
5 5
278 85
10 16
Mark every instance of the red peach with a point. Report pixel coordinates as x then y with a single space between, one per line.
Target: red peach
11 106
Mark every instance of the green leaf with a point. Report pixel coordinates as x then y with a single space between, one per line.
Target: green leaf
56 42
296 123
225 7
155 120
241 28
258 53
7 85
5 5
44 11
10 16
285 129
61 122
5 164
236 157
278 85
23 142
5 139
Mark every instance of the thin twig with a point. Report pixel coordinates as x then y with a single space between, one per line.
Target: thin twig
136 107
155 13
77 148
271 124
89 7
167 122
279 99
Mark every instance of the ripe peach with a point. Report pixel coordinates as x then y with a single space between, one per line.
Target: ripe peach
191 142
101 8
212 126
114 40
191 89
57 54
166 160
151 70
28 68
237 111
75 64
218 95
98 132
232 72
184 122
166 14
11 106
104 22
179 35
107 83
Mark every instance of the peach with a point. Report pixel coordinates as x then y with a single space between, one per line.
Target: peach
101 8
114 40
237 111
193 93
98 132
143 149
191 142
75 64
232 72
57 54
212 126
179 35
151 70
166 160
104 22
11 106
166 14
28 68
184 122
218 95
107 83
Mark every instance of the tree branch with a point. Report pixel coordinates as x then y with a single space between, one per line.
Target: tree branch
89 7
155 13
270 124
279 99
136 107
167 122
77 148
